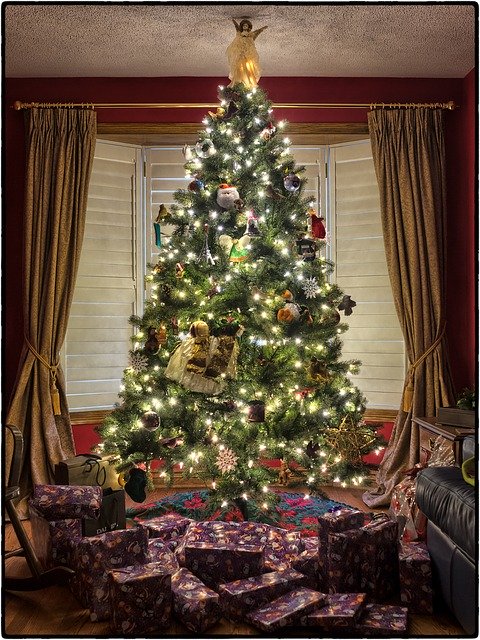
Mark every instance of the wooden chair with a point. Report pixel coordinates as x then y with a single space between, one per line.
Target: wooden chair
40 578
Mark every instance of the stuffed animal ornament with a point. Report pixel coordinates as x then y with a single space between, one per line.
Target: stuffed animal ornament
236 249
226 196
290 311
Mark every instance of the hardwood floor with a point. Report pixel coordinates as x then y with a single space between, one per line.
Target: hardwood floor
55 612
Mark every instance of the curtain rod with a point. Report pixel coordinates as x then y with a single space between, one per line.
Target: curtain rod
18 105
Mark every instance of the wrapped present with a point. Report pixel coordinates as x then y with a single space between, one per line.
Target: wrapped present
411 521
158 551
416 589
345 561
167 528
95 556
141 599
112 514
380 567
54 541
240 597
383 620
286 610
195 605
281 547
331 522
308 563
341 610
310 542
217 563
57 502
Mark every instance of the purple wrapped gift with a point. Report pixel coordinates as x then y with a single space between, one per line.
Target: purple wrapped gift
240 597
217 563
308 563
195 605
168 527
58 502
345 561
141 598
158 551
310 542
332 522
383 620
415 577
379 575
286 610
95 556
54 541
341 610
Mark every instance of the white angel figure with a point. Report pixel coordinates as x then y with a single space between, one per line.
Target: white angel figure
243 57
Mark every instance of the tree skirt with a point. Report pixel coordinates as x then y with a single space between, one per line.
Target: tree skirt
293 511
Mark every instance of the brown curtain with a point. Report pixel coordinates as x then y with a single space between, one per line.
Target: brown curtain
60 145
409 156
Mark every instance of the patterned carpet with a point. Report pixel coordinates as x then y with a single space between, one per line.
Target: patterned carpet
292 511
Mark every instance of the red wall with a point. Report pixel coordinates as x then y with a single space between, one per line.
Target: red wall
461 173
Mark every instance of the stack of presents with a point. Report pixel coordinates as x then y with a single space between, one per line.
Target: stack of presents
170 567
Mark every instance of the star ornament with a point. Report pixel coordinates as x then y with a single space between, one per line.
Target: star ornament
311 288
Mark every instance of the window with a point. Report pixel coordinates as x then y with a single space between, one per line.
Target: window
342 186
107 292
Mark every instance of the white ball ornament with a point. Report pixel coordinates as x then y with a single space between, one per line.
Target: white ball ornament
205 148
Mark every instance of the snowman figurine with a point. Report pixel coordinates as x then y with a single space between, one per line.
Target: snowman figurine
226 196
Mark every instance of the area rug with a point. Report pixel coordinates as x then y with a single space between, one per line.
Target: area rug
292 511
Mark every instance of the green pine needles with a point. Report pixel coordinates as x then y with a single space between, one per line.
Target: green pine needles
237 359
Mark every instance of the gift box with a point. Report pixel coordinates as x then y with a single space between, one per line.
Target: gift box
383 620
341 610
379 567
411 521
195 605
158 551
112 514
217 563
308 563
167 528
345 561
56 502
241 596
416 589
88 470
331 522
140 598
54 541
95 556
286 610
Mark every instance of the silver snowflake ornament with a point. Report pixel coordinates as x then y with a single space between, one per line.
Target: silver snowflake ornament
137 361
226 460
311 288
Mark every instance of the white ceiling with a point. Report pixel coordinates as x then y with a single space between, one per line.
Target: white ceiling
147 40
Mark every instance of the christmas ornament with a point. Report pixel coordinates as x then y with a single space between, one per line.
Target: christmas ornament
239 204
171 443
291 182
318 371
317 228
226 196
252 225
268 132
236 249
205 148
162 334
187 152
243 57
179 270
174 323
231 111
162 215
135 486
256 411
159 268
166 292
307 248
152 345
150 420
311 288
312 449
205 254
213 291
273 193
347 305
219 113
231 94
332 317
284 473
226 460
137 361
291 311
196 185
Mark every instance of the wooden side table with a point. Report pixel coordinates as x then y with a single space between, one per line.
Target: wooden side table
429 430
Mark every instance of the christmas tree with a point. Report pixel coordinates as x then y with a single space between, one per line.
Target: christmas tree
237 358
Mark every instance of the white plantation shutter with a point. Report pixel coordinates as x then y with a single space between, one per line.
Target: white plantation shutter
374 334
96 347
164 174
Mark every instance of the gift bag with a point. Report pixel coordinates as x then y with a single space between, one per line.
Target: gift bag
112 515
88 469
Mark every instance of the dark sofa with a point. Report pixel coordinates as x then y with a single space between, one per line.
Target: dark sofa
449 503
